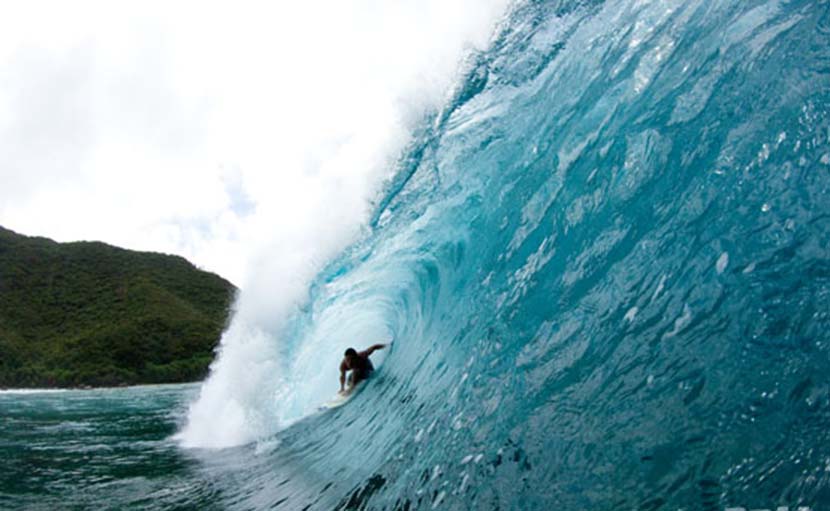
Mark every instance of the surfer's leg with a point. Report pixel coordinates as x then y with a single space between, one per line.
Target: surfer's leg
357 377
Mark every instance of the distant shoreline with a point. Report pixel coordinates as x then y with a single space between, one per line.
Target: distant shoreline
57 390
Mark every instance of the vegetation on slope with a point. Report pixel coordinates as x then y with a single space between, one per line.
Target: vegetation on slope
87 313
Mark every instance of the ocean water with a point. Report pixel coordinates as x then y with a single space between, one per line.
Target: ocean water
604 269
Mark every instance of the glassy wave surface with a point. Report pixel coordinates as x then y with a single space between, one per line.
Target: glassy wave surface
604 268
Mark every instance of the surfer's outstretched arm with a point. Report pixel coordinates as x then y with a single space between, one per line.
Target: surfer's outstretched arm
368 351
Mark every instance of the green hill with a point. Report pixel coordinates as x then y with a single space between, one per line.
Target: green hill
87 313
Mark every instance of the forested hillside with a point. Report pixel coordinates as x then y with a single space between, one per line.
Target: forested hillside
87 313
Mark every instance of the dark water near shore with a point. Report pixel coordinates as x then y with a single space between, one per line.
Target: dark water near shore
95 448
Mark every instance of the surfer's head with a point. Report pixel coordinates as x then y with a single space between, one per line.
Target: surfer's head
350 355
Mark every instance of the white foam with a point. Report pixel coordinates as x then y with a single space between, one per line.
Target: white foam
439 499
355 119
681 322
722 263
31 391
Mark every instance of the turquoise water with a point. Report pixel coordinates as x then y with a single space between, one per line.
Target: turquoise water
605 266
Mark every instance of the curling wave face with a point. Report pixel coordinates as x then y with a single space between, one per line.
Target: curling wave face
605 269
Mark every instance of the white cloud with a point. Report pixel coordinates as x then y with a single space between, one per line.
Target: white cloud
203 129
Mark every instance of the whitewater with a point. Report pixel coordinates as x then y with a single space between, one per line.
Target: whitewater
603 265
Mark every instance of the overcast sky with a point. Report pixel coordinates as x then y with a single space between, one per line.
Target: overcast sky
230 135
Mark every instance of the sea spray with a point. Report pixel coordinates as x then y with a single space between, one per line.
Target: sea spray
258 380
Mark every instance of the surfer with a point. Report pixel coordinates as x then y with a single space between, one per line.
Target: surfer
359 364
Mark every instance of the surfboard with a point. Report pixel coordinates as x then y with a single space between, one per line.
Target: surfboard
340 399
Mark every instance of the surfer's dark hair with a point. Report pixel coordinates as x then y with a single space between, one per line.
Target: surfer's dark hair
350 353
